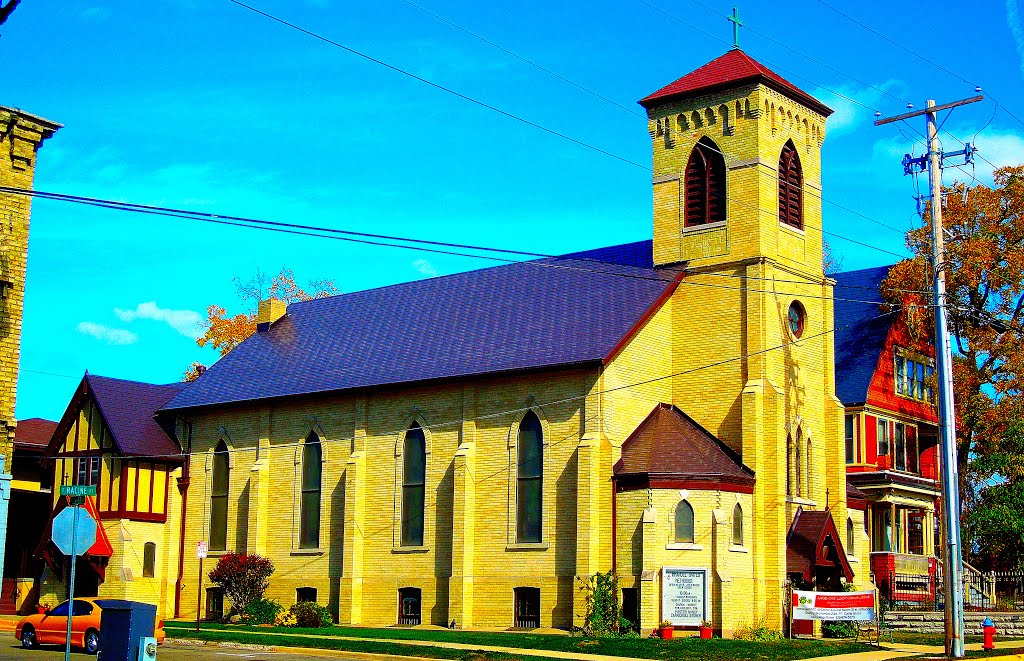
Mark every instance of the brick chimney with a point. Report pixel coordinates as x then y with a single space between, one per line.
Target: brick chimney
269 311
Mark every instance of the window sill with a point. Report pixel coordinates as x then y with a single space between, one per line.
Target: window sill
217 554
851 558
528 546
319 551
704 227
794 230
733 548
684 546
410 549
797 500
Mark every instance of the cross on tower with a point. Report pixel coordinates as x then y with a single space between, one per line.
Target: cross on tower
736 25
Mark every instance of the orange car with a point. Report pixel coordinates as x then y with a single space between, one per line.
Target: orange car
51 627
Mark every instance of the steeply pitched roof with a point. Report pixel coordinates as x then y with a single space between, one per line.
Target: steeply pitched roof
34 433
731 70
670 445
545 313
128 408
806 548
860 332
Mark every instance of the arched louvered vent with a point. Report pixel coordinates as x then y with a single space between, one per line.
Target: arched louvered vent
705 185
791 183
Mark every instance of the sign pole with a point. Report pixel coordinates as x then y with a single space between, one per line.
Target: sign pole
791 610
199 593
71 585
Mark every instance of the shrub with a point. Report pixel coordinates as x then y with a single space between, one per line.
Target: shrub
286 619
601 601
244 578
310 615
830 629
261 611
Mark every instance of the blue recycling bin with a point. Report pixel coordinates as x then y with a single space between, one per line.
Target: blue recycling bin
123 625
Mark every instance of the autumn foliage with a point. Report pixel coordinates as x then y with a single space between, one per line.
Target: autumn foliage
984 267
223 331
244 578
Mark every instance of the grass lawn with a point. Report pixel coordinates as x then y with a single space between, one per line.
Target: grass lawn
647 648
933 638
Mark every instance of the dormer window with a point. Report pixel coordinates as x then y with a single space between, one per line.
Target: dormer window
913 378
705 185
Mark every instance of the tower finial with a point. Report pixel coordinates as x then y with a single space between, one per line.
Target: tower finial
736 25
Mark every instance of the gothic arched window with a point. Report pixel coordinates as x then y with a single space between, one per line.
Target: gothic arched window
684 523
704 199
312 469
220 480
849 537
414 474
791 183
529 479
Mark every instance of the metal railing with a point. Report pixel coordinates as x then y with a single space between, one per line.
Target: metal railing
983 591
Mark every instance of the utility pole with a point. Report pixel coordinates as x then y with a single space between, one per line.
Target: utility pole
953 583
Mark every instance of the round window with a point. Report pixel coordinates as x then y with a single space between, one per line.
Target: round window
796 318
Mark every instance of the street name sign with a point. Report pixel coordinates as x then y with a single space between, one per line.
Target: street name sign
74 523
78 490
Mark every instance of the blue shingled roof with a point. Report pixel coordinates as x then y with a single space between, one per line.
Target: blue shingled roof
860 332
551 312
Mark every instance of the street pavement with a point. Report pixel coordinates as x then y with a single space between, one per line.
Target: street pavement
10 651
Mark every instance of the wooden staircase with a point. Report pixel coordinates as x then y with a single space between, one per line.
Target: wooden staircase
8 597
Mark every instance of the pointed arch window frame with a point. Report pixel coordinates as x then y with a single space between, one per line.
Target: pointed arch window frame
310 496
791 187
413 421
704 186
685 510
220 492
513 542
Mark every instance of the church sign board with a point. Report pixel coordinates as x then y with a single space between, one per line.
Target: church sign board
685 595
835 606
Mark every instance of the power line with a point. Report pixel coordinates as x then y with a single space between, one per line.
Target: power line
438 86
802 54
551 131
390 241
916 54
564 400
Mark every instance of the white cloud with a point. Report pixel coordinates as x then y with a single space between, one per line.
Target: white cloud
852 104
1016 29
425 267
107 334
184 321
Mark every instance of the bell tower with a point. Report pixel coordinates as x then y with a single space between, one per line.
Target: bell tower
720 135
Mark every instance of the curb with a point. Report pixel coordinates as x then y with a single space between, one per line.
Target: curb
312 651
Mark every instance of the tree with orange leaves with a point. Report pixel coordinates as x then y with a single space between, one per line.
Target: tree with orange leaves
984 229
224 332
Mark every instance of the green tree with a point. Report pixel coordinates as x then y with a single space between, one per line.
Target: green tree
984 230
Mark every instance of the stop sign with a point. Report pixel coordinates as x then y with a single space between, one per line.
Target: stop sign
84 530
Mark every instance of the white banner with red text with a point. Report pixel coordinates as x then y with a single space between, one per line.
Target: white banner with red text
836 606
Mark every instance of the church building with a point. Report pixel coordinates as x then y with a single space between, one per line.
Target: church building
468 448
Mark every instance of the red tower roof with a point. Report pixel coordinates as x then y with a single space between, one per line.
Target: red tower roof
731 70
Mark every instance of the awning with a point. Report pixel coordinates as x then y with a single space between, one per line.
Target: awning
97 555
814 543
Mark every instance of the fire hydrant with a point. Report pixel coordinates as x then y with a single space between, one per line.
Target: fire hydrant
990 633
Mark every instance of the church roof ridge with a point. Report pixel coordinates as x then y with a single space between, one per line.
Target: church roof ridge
731 69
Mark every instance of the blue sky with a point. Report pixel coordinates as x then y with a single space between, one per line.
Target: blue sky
207 106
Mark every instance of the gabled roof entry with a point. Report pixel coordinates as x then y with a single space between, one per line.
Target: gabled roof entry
806 547
670 447
128 408
732 69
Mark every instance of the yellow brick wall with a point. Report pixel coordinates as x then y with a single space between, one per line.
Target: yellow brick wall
371 427
21 135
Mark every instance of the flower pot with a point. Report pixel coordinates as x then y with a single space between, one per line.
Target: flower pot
705 632
41 610
665 632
